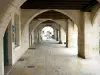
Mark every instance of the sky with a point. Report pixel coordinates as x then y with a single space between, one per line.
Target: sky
48 28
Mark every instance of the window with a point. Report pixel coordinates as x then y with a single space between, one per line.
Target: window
16 31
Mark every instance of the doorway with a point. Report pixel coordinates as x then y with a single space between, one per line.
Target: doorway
5 46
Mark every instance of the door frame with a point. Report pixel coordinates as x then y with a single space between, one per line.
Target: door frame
9 41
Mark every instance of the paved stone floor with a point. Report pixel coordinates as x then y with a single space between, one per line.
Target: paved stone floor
50 58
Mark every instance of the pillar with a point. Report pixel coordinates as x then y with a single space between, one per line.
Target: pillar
56 34
54 37
35 35
66 33
30 39
60 42
81 45
70 33
40 38
85 35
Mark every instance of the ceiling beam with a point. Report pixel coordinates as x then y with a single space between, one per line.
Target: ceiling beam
84 5
89 6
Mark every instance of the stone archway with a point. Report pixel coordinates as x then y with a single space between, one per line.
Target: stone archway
39 25
59 23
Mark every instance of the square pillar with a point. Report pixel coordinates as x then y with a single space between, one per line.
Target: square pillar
60 41
55 36
84 35
88 34
70 33
81 41
66 33
56 32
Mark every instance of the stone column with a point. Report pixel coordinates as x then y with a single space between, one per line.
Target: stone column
70 33
31 39
88 34
81 41
66 33
60 42
40 38
84 35
35 36
56 32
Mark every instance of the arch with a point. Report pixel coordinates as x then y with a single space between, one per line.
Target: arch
46 26
39 26
11 6
96 15
8 7
45 21
66 13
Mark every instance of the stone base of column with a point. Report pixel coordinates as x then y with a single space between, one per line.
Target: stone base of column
81 56
64 42
56 39
60 42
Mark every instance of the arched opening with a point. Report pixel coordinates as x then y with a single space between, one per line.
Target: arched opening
56 16
45 28
56 26
72 28
47 33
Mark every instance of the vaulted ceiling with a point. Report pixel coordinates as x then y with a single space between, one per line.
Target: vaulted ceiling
51 15
84 5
